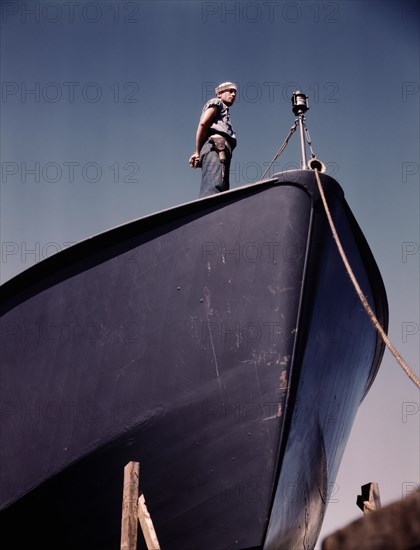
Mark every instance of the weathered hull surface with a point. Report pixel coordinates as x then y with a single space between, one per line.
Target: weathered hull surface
219 343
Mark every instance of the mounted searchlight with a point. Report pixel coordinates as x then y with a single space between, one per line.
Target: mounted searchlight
300 103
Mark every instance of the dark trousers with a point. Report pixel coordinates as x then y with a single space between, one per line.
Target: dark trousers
214 175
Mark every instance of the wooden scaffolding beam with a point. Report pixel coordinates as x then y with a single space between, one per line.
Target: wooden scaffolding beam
369 500
134 511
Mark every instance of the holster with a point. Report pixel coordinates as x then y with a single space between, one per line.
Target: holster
220 144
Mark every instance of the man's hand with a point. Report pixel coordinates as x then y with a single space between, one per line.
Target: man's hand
194 160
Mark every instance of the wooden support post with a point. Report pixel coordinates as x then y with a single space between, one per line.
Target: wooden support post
129 506
134 510
146 523
369 500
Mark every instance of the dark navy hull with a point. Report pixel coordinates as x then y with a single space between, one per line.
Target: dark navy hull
219 343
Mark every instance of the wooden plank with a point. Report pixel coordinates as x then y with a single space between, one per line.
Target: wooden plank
129 506
147 527
369 500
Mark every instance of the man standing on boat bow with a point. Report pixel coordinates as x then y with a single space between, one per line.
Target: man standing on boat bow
215 141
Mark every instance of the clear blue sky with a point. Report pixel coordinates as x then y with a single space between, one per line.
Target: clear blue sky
99 106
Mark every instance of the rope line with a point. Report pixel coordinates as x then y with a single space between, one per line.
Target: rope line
368 309
280 151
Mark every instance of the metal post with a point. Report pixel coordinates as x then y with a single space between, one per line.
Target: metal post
302 141
300 106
